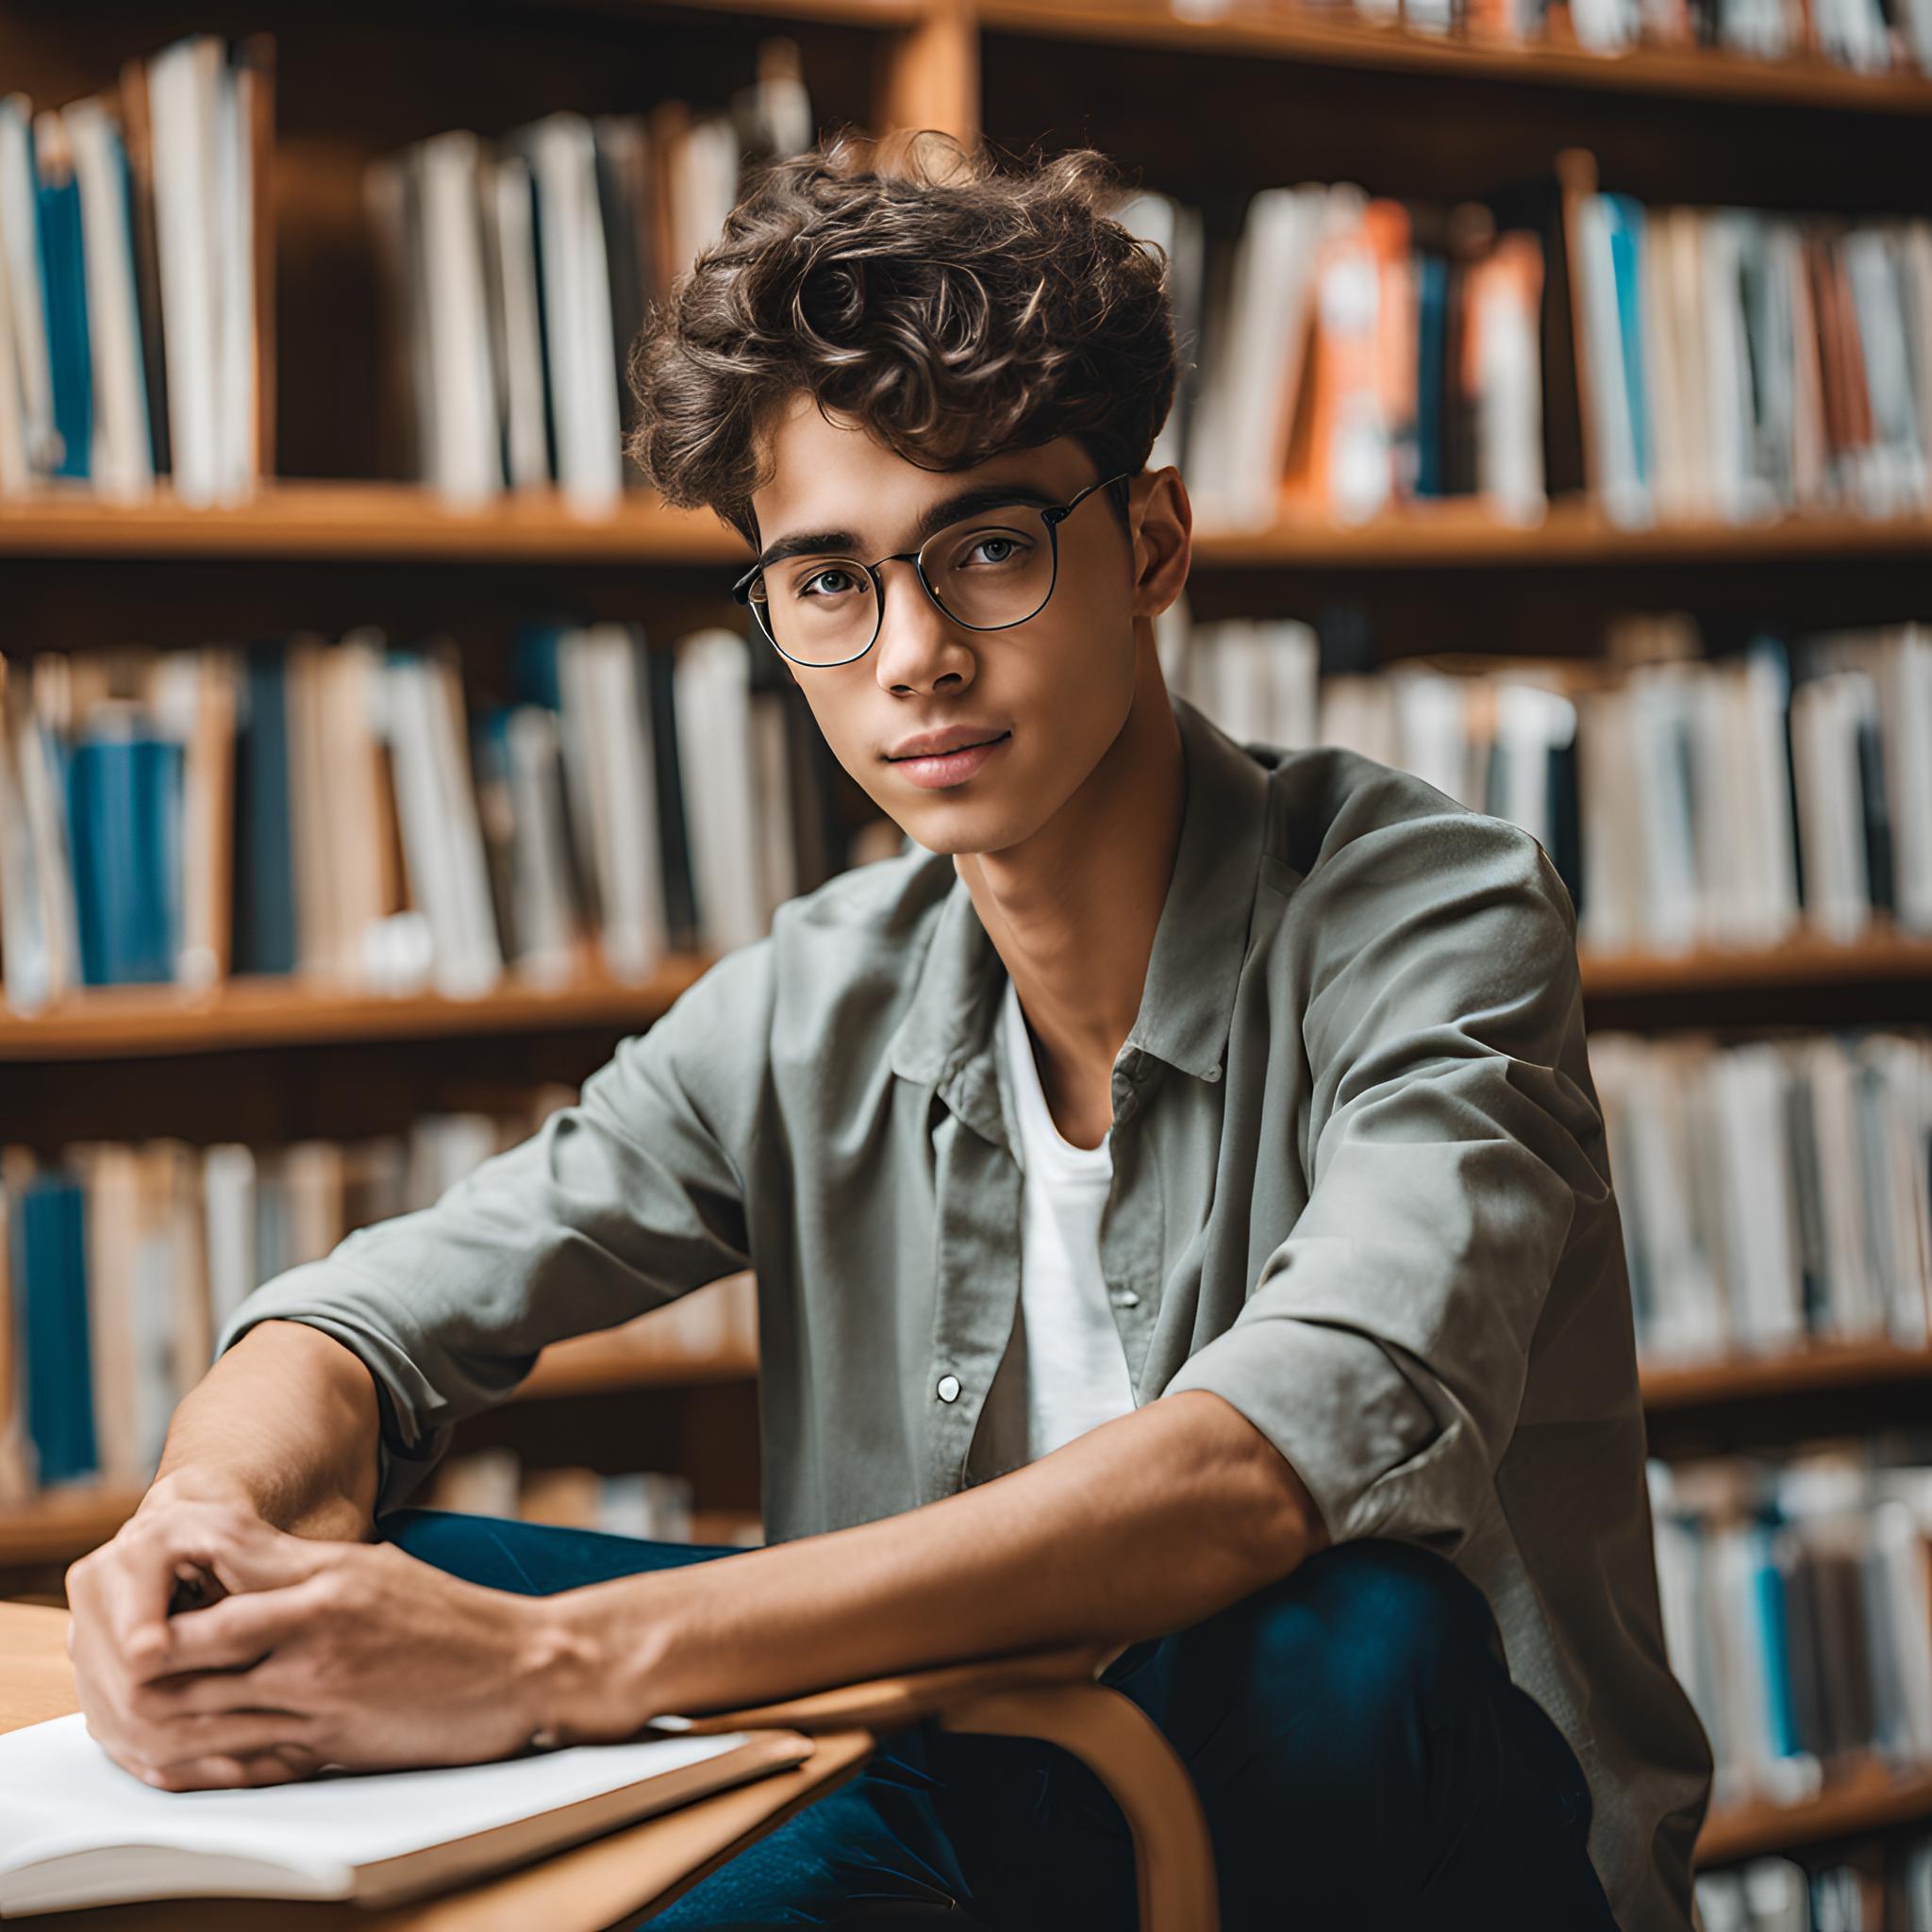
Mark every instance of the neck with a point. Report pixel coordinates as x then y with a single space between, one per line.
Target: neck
1073 910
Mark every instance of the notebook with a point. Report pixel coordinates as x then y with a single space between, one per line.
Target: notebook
77 1829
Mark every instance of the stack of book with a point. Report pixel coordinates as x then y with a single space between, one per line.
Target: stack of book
120 1264
135 279
519 272
1355 353
1773 1190
331 810
1741 365
1687 801
1797 1605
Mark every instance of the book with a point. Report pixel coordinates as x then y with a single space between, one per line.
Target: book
83 1831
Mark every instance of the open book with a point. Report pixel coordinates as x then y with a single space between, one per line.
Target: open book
79 1830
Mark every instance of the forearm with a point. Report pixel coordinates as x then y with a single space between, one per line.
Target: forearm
289 1416
1139 1527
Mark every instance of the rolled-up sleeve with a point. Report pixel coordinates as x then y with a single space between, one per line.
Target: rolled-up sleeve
1385 1344
615 1206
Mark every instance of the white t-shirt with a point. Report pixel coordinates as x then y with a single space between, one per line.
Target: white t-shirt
1076 1370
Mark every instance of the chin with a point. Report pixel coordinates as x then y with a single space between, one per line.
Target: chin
966 831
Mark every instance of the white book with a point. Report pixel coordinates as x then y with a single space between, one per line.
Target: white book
1853 1295
442 840
519 347
1611 917
635 937
1748 1087
1907 700
234 238
1531 723
24 939
121 466
543 909
16 472
1825 714
465 461
713 707
576 311
20 239
184 90
1659 734
228 1181
1619 483
83 1831
1247 404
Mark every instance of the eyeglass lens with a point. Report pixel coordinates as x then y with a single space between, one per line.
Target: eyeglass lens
992 569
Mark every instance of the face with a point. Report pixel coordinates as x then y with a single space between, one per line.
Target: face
1053 691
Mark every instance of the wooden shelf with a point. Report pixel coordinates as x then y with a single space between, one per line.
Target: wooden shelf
1819 1365
367 522
136 1022
1804 961
1459 533
1872 1799
139 1022
406 522
1291 35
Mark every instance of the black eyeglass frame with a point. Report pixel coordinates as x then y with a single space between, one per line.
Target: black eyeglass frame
1053 515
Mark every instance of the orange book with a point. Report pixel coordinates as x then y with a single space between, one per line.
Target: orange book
1358 390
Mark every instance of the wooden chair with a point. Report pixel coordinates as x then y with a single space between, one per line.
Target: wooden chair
614 1880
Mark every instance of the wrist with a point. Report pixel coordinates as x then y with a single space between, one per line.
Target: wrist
595 1667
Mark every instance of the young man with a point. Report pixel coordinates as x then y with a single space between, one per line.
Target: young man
1176 1191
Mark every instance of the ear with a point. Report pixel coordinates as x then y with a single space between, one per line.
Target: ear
1163 526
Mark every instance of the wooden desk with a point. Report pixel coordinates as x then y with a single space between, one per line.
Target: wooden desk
603 1882
610 1881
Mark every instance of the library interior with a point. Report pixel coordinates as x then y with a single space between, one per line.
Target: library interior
1556 412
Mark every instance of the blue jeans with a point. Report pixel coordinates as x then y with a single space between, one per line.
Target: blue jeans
1363 1759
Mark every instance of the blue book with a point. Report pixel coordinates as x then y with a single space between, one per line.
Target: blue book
1432 370
64 284
1623 222
49 1259
264 926
1769 1591
124 807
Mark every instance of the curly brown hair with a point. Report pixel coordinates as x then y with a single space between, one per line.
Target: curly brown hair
952 306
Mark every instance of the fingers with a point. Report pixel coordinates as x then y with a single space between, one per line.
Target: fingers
120 1593
239 1631
181 1741
225 1771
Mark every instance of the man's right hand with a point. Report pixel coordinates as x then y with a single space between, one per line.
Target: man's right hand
174 1550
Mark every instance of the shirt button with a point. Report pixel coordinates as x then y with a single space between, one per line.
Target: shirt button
949 1389
1125 1298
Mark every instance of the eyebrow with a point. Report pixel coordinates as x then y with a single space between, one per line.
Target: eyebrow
948 510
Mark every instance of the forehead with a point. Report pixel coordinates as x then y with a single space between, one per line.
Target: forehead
836 476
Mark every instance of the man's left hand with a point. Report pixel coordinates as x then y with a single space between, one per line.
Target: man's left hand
346 1653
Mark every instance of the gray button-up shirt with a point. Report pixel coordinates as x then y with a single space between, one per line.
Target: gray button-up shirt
1361 1190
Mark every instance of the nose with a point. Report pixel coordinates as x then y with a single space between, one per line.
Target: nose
919 647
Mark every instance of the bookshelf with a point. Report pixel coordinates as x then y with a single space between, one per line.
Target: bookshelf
132 1023
371 521
1209 106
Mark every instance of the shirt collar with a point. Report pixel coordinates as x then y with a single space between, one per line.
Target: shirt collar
1200 942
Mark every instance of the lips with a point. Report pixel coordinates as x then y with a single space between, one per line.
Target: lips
968 744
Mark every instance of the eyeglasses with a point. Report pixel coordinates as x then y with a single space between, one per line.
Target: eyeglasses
988 572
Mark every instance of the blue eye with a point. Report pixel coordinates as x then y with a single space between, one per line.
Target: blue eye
833 571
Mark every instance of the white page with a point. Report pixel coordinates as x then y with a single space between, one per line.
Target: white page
63 1793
